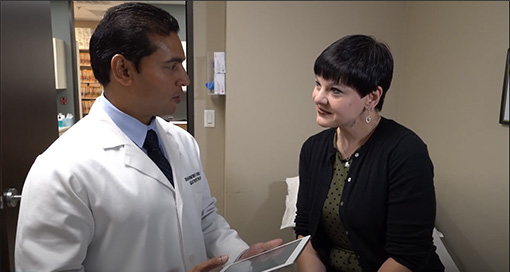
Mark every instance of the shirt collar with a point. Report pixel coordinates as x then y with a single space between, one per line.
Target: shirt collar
134 129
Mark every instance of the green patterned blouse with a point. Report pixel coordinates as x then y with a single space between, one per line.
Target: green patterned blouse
341 256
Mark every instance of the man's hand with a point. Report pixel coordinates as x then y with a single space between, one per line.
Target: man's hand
261 247
255 249
210 264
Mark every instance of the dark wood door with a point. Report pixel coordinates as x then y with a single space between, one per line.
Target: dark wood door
28 106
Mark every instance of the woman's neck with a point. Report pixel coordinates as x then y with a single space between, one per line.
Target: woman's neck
349 139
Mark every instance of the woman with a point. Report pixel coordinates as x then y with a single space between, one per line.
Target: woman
366 190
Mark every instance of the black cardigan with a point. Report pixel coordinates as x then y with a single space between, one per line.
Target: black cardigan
389 200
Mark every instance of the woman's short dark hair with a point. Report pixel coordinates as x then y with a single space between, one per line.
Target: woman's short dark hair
358 61
125 30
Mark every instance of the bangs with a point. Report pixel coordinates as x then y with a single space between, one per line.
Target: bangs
330 70
341 71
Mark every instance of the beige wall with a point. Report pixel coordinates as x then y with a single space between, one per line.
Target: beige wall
271 48
453 78
209 36
449 61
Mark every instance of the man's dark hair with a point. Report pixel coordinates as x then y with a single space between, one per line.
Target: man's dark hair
125 30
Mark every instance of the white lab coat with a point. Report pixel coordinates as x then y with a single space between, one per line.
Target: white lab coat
94 201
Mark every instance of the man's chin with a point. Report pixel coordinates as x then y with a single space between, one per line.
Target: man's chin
167 115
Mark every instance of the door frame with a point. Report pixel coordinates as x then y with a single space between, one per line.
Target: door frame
190 101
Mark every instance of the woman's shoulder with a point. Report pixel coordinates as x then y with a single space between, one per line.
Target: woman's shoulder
320 143
391 127
390 132
322 136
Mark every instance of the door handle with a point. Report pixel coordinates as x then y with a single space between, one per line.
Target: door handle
11 198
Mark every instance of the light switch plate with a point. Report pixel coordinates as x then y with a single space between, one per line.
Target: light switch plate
209 118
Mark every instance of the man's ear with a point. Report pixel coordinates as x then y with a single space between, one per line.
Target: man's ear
122 70
374 97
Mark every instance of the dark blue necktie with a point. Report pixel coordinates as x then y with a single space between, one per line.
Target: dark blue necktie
154 152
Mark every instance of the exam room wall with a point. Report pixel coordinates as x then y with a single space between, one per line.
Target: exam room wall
452 83
449 66
271 48
209 36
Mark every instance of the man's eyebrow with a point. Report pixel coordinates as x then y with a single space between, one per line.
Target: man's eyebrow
175 59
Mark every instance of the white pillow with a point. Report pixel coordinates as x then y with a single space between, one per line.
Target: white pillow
290 203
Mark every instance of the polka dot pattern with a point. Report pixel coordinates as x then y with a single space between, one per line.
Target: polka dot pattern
341 256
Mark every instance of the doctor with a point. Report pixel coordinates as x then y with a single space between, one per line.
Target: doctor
94 200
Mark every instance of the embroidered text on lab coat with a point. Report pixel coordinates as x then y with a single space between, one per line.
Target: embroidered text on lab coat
193 178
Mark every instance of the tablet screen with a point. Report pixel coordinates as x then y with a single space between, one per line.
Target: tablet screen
276 257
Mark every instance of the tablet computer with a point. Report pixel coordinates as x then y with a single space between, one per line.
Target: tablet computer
270 260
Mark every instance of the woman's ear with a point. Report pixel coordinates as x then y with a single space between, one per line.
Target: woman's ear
122 70
374 97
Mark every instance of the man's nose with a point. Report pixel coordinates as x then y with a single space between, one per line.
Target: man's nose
184 80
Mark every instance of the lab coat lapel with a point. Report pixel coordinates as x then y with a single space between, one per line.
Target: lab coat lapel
174 152
136 158
172 149
112 137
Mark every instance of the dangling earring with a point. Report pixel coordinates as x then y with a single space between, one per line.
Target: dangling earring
368 119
